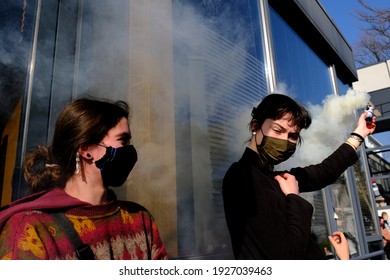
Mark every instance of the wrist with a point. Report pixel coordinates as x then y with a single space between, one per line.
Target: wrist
358 137
361 132
355 140
352 145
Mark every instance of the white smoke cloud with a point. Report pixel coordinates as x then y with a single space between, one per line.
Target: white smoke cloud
332 121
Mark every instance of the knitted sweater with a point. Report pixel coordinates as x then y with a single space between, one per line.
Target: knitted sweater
114 230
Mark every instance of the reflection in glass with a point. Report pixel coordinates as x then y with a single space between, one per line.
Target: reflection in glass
219 77
299 69
379 164
344 215
342 88
365 198
319 223
16 32
307 78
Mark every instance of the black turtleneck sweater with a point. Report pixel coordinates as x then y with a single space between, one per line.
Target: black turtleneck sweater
262 221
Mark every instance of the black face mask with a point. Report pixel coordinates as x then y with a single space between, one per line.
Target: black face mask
116 164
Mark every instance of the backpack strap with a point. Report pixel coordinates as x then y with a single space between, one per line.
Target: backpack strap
83 251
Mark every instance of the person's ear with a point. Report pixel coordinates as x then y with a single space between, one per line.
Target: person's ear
254 125
85 153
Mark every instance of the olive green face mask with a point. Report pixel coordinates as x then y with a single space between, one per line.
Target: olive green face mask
274 150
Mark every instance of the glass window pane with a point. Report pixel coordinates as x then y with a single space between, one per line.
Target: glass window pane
342 87
298 68
375 247
306 78
364 192
219 77
16 32
344 214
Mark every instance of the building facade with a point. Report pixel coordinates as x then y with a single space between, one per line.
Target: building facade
375 79
191 71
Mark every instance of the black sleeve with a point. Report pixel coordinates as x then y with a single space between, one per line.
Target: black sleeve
318 176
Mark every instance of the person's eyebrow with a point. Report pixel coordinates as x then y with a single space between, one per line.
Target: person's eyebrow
280 126
294 134
124 136
285 129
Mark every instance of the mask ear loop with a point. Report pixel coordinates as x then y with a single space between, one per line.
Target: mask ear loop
101 145
254 133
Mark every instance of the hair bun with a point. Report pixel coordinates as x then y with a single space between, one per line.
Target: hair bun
254 112
36 172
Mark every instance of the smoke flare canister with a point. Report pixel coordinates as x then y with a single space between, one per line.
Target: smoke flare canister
370 114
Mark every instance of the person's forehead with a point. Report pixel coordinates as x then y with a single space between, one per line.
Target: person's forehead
286 122
121 128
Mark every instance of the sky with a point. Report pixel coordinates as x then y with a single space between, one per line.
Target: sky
342 13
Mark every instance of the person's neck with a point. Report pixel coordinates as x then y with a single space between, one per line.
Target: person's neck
262 161
252 145
90 192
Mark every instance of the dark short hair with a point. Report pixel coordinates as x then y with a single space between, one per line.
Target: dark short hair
274 106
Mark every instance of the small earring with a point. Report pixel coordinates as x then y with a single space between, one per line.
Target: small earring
77 163
253 132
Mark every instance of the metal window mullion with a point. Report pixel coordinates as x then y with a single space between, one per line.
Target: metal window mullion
329 209
357 210
333 77
77 49
267 44
30 82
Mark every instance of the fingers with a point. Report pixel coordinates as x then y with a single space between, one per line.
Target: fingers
364 127
340 243
279 178
337 238
288 184
285 176
371 125
333 241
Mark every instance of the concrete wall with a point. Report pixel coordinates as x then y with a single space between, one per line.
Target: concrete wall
374 77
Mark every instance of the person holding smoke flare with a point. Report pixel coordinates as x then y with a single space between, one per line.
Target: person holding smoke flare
90 151
266 217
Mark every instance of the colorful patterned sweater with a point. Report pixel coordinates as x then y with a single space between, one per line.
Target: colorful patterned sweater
114 230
